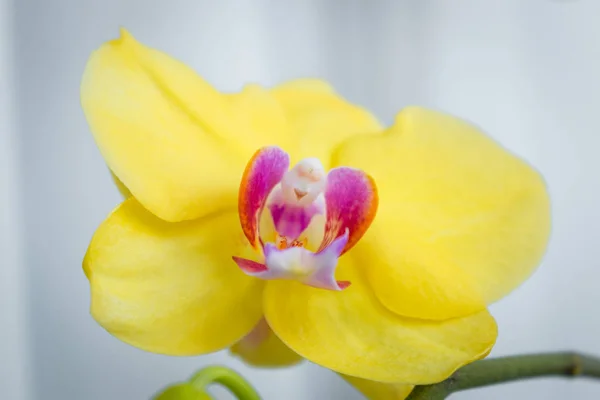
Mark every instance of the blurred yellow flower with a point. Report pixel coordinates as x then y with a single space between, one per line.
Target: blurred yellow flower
459 222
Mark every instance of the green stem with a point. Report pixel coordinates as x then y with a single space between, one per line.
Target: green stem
226 377
506 369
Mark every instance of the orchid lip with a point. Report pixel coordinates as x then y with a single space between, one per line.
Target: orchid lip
297 263
292 199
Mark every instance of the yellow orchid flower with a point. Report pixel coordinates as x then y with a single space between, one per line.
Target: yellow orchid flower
288 218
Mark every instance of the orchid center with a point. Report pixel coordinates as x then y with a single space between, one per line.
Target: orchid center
294 206
302 219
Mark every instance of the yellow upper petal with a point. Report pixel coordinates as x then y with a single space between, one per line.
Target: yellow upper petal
171 287
351 333
461 221
319 119
262 348
179 145
380 391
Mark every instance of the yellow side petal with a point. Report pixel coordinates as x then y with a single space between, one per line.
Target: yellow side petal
379 391
319 119
122 188
262 348
171 288
461 221
351 333
179 145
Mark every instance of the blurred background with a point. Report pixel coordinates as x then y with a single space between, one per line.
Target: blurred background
526 71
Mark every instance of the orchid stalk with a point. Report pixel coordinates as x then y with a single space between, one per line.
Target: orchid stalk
508 369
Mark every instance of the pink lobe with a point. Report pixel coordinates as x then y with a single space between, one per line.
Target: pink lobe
263 172
351 203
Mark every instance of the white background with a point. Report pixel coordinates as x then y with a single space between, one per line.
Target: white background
527 71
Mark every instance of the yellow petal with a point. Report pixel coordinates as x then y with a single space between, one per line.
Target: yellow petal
171 288
319 119
461 221
379 391
259 120
179 145
351 333
262 348
122 188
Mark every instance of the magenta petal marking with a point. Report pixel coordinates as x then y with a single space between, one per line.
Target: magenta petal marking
290 220
351 203
343 284
264 171
249 266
